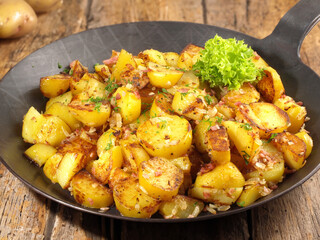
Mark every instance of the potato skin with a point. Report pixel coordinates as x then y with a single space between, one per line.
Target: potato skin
41 6
17 18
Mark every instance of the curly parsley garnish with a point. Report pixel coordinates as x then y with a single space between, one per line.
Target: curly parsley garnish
226 62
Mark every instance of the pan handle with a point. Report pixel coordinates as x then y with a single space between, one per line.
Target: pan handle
294 26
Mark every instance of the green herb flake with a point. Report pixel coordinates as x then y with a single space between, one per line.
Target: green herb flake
226 62
273 135
219 119
59 65
246 126
241 204
208 99
246 157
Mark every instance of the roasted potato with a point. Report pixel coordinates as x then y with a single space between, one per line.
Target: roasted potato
218 145
32 122
307 140
181 207
162 105
168 136
160 178
39 153
17 18
132 201
88 192
53 86
63 98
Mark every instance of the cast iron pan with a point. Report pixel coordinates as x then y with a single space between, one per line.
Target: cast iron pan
19 89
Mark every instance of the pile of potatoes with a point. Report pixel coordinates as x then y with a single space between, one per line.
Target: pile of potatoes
143 133
18 17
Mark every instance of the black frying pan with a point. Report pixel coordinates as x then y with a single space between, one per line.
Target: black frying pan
19 89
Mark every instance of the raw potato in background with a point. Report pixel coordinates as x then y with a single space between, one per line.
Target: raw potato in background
41 6
17 18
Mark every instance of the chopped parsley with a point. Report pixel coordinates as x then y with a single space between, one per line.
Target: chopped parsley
208 99
111 86
226 62
59 65
246 126
219 119
273 135
246 157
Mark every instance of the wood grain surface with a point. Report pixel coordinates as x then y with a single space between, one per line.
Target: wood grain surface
26 215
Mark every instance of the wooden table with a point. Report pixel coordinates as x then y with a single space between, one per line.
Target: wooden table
27 215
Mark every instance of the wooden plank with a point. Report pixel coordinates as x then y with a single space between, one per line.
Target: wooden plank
23 213
118 11
232 227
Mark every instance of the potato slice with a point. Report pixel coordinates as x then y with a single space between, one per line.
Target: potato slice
168 136
160 178
181 207
133 154
52 86
245 137
88 192
39 153
108 140
123 61
245 94
293 148
102 70
95 88
268 164
92 112
218 145
171 58
189 79
189 102
200 132
63 98
270 86
32 123
102 167
155 56
297 114
129 103
222 185
307 140
51 166
227 111
258 61
117 175
52 131
267 117
70 164
131 201
62 111
183 163
189 56
163 76
161 105
253 190
78 85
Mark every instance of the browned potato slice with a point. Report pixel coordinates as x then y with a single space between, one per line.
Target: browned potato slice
77 85
181 207
268 164
293 148
108 139
124 60
70 164
200 132
39 153
253 190
92 112
77 69
101 168
245 94
245 137
52 131
117 175
227 111
297 113
189 56
147 95
268 118
189 102
307 140
163 76
95 88
218 145
183 163
102 70
88 192
162 105
51 166
155 56
160 178
168 136
270 86
55 85
62 111
222 185
132 201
